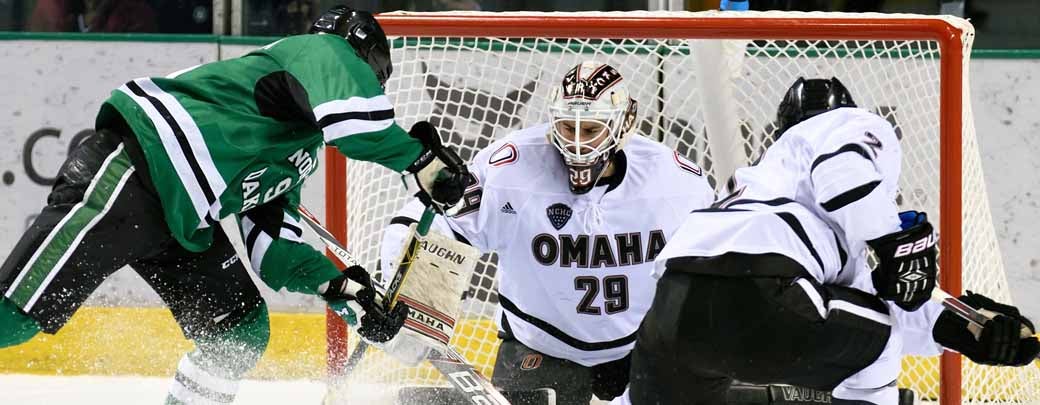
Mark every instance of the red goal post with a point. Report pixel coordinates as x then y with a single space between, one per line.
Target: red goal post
714 25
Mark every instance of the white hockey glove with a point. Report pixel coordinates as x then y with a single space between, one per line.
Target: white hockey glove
352 297
907 268
439 173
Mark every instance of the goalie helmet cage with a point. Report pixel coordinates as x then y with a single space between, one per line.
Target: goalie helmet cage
708 84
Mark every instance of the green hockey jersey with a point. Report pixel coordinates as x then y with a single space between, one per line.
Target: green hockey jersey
226 137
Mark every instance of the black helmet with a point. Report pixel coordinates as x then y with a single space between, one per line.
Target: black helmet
810 97
363 33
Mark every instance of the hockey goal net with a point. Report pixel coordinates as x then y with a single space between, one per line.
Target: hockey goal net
707 84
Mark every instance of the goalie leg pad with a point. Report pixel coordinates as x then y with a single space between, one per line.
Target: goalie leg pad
431 281
520 371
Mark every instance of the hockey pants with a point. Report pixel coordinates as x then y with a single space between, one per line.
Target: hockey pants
705 330
103 214
520 370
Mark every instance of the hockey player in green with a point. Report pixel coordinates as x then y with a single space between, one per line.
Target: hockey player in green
174 155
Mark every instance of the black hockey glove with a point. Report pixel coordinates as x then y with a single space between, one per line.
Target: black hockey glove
439 172
998 343
352 297
907 268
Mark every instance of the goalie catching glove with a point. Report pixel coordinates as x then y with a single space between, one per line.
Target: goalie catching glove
907 268
439 172
998 342
352 297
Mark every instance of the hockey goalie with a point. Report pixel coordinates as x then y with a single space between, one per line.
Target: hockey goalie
576 208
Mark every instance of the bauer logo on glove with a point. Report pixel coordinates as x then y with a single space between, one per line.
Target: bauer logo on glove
918 246
907 267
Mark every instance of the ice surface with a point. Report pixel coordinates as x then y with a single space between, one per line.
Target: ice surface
88 390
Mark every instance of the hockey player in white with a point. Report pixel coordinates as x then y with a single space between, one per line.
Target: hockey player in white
577 209
771 284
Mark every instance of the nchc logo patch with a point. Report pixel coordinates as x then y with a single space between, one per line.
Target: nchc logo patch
558 214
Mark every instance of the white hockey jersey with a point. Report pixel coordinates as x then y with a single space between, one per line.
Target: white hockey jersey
818 194
574 271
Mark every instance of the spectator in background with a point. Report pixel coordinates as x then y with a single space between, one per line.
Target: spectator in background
455 5
279 17
12 15
93 16
184 16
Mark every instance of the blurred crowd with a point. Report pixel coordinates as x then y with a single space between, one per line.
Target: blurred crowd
177 16
1000 24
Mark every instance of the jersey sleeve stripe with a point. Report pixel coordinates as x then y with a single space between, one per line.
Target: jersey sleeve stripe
356 115
852 147
512 310
842 200
716 209
257 243
353 127
776 202
292 229
291 233
842 255
353 104
799 230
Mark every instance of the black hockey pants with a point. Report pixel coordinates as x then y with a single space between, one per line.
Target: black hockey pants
705 329
519 370
103 214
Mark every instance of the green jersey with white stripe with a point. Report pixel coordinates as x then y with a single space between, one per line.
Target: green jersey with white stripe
225 137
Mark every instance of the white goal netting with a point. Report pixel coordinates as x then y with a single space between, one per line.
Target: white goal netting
713 100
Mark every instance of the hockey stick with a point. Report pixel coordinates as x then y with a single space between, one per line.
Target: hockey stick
348 260
446 360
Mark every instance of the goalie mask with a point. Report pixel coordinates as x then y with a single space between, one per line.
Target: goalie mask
807 98
363 33
591 115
